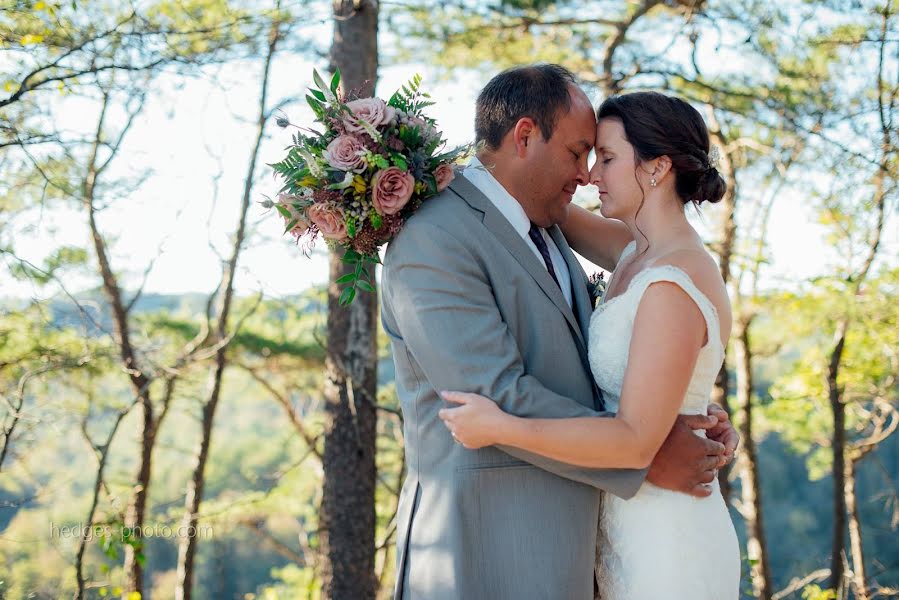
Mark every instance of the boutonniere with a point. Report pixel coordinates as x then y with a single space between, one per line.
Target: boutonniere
596 286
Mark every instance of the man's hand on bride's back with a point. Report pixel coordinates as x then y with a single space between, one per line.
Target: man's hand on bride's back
686 462
723 432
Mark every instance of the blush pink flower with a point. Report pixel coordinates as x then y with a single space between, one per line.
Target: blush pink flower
373 111
329 220
344 153
302 223
444 175
391 189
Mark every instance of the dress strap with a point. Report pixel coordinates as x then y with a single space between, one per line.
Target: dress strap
676 275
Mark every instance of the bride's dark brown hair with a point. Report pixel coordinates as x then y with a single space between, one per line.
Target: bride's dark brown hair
659 125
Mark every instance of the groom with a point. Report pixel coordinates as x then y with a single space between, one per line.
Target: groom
481 293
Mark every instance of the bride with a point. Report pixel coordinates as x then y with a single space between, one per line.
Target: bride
656 345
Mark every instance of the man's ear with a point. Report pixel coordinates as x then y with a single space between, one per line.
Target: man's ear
524 134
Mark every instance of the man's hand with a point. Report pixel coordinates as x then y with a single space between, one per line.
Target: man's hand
686 462
723 432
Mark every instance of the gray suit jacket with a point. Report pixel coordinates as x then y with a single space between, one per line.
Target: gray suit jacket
468 306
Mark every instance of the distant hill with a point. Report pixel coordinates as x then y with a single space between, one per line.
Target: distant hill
93 313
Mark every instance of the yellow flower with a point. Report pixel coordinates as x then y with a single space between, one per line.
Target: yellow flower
359 184
308 181
31 38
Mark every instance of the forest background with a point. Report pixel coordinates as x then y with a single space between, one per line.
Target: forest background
185 411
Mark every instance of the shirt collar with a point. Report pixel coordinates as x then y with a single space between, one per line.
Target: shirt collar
481 177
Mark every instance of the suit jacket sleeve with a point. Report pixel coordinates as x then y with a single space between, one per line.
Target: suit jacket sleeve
438 298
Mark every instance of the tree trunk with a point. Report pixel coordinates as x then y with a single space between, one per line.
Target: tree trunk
101 452
140 381
187 542
719 397
859 577
834 391
756 543
347 516
838 447
725 250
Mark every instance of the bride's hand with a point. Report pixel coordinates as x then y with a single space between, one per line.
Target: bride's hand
476 423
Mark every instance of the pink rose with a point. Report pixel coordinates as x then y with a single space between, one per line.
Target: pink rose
444 174
390 190
330 221
373 111
344 153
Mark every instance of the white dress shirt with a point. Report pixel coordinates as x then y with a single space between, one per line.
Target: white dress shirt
509 207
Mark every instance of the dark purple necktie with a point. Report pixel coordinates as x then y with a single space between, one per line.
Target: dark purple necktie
537 238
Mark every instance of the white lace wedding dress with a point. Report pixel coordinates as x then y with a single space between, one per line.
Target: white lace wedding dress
661 544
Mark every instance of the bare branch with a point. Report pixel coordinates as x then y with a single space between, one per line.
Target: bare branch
798 583
295 419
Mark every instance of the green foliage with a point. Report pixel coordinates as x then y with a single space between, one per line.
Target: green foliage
203 27
361 277
409 98
814 592
799 408
292 582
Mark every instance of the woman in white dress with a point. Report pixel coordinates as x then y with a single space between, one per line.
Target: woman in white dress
656 344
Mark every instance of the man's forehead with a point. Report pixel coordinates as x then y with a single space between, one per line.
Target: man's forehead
585 134
579 123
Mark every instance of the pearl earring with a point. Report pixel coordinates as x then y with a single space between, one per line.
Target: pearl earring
653 182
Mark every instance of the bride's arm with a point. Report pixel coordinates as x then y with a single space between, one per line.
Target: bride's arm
599 240
659 369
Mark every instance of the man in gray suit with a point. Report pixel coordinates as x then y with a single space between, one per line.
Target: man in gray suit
481 293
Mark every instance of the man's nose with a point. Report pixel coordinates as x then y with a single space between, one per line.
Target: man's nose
583 174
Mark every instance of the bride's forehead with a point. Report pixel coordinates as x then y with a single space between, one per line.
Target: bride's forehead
610 133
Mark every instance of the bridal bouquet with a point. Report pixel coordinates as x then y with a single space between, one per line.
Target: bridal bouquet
357 181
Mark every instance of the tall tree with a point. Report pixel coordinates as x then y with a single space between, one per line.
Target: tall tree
347 518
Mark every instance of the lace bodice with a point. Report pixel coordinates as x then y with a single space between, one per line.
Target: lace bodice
612 325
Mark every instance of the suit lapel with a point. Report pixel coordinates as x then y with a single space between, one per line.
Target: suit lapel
515 244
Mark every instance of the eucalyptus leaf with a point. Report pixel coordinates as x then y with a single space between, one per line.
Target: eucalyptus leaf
346 297
335 81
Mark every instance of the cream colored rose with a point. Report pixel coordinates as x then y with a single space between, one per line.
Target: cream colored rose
330 221
444 174
391 190
373 111
344 153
